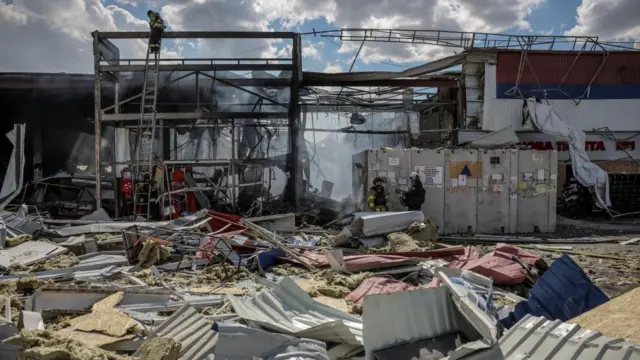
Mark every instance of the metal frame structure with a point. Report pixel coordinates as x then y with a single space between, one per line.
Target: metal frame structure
476 40
108 67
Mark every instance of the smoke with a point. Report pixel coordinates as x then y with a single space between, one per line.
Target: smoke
333 152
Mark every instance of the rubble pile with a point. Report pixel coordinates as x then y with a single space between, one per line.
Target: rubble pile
213 284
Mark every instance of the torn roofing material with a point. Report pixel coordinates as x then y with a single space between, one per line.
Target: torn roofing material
286 308
29 253
111 227
19 223
420 70
376 285
188 327
499 265
406 317
363 262
562 293
538 338
88 264
14 177
237 342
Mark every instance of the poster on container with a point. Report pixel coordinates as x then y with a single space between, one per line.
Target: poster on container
430 175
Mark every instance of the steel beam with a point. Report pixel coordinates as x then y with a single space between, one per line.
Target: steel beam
97 123
295 133
198 67
199 35
318 81
197 115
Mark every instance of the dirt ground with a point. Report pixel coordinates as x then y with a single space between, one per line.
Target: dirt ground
614 277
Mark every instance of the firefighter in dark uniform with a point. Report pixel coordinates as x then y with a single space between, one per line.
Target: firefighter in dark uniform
414 198
377 197
157 28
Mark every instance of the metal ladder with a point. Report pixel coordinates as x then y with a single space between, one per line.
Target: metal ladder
145 138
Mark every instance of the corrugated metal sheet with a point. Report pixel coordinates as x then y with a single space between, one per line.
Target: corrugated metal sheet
411 316
562 293
286 308
192 331
551 67
237 342
541 339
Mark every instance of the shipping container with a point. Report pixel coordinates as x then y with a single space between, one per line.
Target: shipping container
468 190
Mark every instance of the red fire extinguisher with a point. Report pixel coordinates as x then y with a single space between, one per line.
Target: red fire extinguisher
126 185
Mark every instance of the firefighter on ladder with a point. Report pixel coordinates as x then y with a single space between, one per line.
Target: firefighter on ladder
157 28
377 197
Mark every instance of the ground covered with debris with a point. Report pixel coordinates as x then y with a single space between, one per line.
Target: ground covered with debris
163 291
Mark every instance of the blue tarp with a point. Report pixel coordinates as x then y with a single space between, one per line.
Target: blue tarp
562 293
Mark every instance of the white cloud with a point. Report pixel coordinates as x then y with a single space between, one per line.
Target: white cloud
58 31
47 36
333 68
608 19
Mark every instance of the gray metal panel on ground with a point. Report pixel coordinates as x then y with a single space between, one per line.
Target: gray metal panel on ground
493 193
395 166
429 164
188 327
237 342
540 339
78 298
29 252
288 309
460 201
534 191
414 316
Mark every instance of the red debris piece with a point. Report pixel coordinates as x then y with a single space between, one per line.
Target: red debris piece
507 251
376 285
499 265
226 222
434 284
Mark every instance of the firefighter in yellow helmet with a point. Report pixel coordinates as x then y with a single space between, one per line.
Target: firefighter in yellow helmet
377 197
156 23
